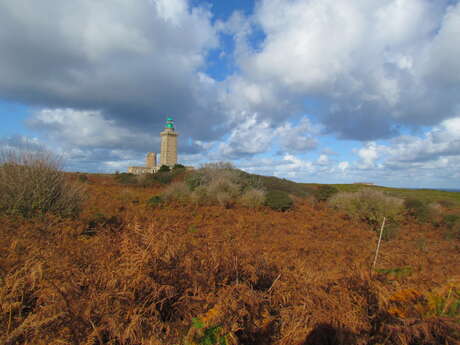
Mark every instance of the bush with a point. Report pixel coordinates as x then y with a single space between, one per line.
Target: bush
178 191
369 205
83 178
163 177
274 183
225 199
178 167
278 200
195 180
223 185
253 198
215 182
418 210
155 201
164 168
390 231
450 219
126 178
199 195
324 192
452 222
453 232
32 183
447 203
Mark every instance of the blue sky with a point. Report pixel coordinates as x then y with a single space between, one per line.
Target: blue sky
13 116
315 91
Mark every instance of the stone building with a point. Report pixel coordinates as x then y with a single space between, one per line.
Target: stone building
168 153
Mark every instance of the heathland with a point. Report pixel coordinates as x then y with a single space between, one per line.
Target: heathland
219 256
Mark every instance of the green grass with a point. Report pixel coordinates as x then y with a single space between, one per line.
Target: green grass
425 195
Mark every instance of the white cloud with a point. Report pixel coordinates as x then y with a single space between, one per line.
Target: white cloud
440 144
323 159
88 129
136 61
253 135
343 166
250 136
297 138
367 61
368 155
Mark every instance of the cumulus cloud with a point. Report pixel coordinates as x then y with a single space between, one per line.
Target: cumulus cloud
134 61
89 129
297 138
255 135
441 144
368 155
249 137
343 166
371 65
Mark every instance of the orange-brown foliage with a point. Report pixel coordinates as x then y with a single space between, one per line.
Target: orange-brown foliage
141 274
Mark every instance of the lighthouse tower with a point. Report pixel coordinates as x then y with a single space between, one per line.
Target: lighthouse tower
168 154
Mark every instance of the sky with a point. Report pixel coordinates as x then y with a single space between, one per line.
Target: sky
310 90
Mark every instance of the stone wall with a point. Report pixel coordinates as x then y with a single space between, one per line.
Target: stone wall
141 170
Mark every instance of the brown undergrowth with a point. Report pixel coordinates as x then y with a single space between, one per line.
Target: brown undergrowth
127 273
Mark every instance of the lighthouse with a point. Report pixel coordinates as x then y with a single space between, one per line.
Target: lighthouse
168 152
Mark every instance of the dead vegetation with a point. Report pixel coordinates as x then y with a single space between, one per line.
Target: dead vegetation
127 273
33 184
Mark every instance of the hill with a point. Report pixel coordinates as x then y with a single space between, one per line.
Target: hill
135 268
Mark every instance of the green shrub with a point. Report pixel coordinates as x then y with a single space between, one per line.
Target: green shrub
145 180
418 210
178 167
82 178
33 183
454 232
274 183
324 192
200 334
195 179
452 223
155 201
396 273
253 198
249 181
390 231
164 168
450 219
278 200
163 177
126 178
369 205
100 220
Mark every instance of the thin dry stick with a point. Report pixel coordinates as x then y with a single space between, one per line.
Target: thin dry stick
273 284
378 244
98 335
236 268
